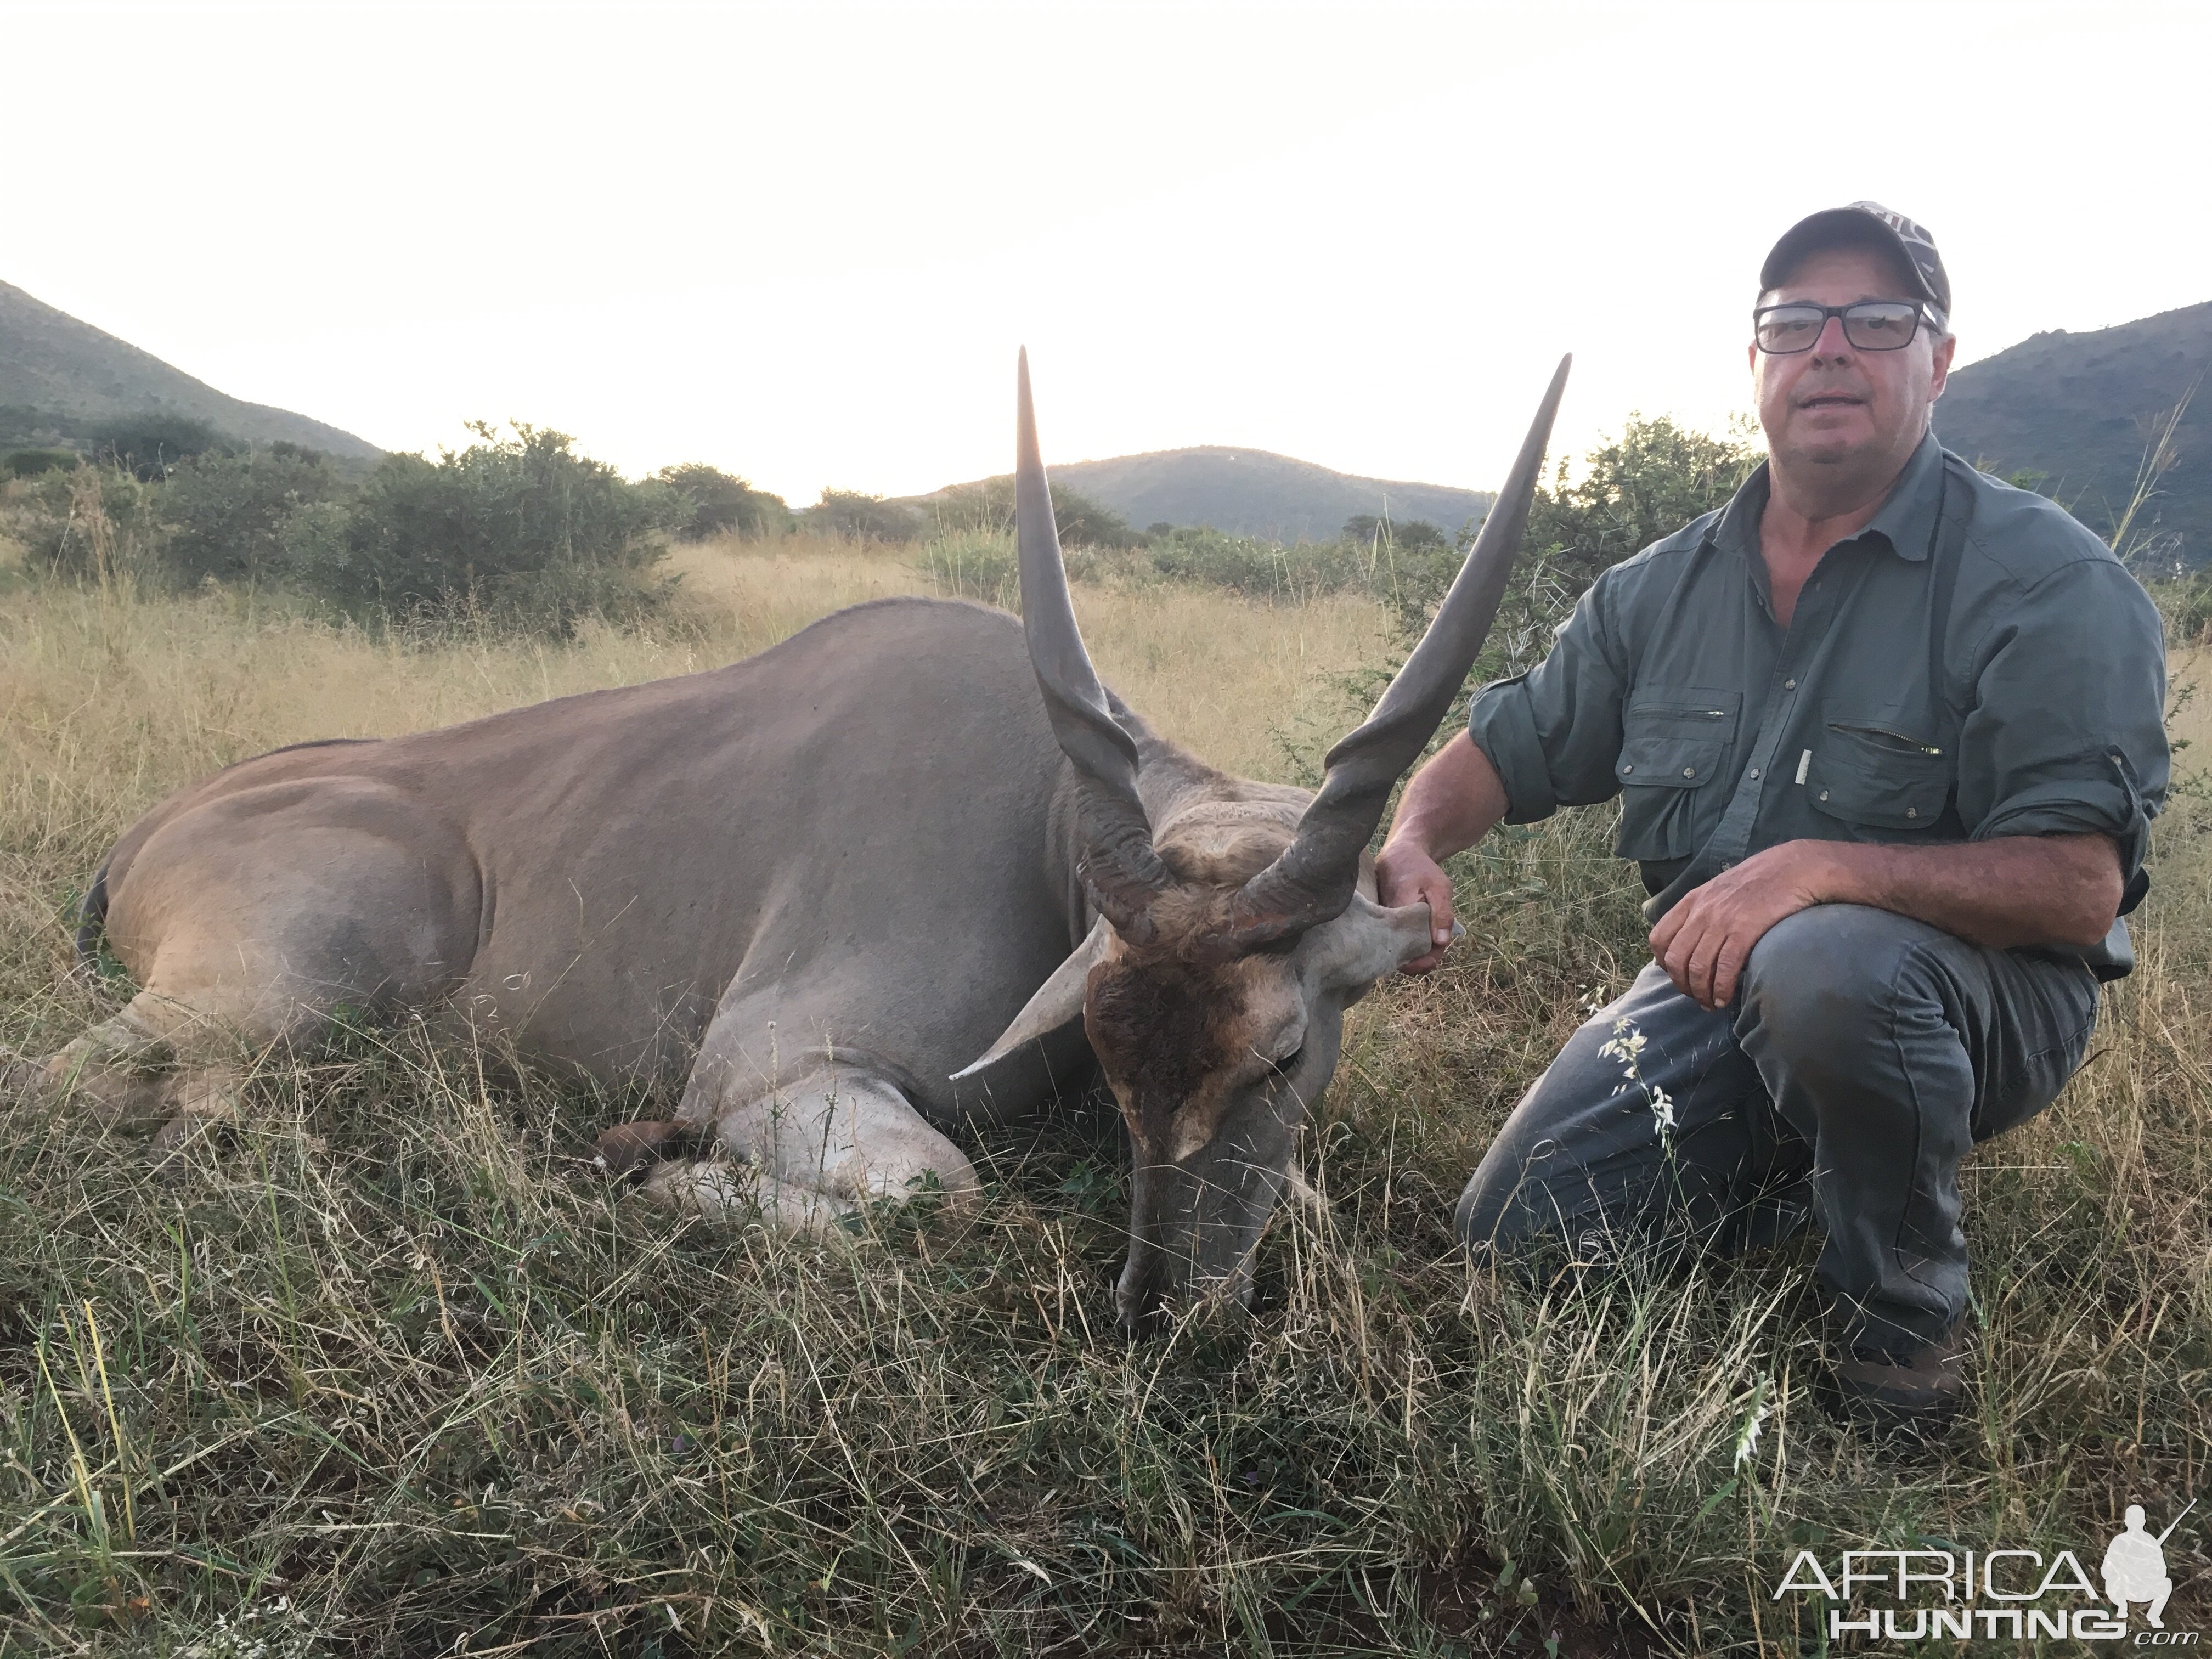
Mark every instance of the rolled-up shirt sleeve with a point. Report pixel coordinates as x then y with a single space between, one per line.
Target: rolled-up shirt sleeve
1553 733
2067 735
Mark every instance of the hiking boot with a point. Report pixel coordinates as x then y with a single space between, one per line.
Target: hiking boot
1922 1389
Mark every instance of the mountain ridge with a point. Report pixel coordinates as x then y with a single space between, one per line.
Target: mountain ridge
58 374
2079 409
1250 492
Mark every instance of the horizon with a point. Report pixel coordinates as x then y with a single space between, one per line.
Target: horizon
804 244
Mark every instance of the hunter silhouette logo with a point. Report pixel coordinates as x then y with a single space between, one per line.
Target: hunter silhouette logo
1999 1594
2135 1567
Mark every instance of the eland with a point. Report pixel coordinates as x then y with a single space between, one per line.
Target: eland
915 864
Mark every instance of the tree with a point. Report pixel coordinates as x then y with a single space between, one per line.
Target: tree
229 515
518 531
1642 486
29 463
1365 530
151 446
722 503
863 517
1083 522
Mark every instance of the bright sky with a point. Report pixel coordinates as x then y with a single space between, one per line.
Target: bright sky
803 242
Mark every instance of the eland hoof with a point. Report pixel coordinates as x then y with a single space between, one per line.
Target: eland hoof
630 1148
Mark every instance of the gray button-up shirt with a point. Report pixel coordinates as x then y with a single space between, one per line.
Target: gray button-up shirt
1974 663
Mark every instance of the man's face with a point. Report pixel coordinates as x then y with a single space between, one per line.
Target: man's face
1836 406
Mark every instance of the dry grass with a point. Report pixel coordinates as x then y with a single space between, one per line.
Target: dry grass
396 1373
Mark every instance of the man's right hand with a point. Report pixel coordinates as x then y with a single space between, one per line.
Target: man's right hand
1452 803
1405 874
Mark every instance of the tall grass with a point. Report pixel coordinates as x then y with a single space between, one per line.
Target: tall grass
395 1371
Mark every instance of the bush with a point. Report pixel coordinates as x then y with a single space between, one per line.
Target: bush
1416 533
518 532
151 446
1646 484
973 564
989 508
29 463
2186 600
94 523
720 503
1260 570
863 517
231 517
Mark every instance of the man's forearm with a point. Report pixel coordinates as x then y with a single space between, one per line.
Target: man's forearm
1452 803
2008 891
2011 890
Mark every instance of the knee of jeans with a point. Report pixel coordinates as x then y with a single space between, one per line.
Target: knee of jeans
1481 1211
1508 1208
1824 982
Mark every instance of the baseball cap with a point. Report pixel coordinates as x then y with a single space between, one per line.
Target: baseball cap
1869 224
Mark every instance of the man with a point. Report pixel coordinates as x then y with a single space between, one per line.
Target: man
1888 735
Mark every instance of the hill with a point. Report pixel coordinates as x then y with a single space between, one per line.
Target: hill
59 376
1249 492
2081 408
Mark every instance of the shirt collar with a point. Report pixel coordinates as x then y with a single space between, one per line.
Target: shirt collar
1907 519
1906 522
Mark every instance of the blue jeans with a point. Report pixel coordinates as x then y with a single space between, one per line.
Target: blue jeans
1864 1055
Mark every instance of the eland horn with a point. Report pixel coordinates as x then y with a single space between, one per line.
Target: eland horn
1312 881
1118 866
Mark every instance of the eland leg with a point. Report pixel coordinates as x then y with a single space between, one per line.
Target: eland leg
806 1155
150 1066
238 949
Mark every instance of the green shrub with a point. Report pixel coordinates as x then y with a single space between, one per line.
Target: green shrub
1260 570
864 518
1365 528
722 503
153 445
2186 601
230 517
989 507
91 523
516 533
973 564
1649 482
29 463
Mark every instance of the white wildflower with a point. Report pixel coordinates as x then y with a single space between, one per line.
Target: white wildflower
1746 1438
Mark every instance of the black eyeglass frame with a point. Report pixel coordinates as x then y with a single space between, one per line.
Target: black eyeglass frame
1920 317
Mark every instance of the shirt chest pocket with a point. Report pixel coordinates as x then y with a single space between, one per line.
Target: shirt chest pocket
1875 773
1674 746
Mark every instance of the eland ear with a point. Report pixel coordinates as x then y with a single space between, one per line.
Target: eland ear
1057 1001
1369 941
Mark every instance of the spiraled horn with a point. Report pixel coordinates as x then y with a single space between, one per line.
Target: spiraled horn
1312 881
1117 866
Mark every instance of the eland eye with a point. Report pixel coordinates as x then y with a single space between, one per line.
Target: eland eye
1289 1062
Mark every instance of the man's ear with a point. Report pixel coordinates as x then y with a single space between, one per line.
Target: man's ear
1946 349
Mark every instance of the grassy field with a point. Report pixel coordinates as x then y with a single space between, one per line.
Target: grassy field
396 1371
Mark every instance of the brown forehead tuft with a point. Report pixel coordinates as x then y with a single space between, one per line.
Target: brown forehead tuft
1226 843
1157 1025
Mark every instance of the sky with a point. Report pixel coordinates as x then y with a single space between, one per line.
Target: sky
803 243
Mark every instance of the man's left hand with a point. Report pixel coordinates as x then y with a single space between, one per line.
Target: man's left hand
1704 941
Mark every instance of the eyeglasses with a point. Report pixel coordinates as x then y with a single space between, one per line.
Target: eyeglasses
1871 325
